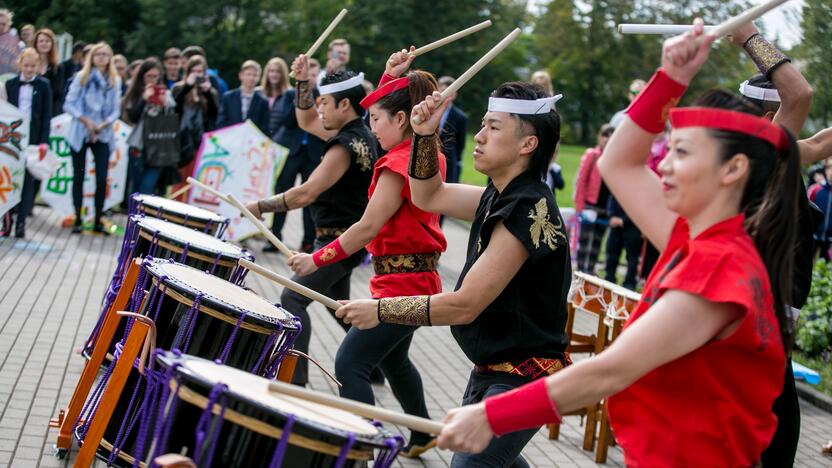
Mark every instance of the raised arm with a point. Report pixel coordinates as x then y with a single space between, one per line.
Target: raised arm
427 189
623 164
305 110
817 148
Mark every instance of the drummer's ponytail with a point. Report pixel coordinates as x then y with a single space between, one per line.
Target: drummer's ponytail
421 84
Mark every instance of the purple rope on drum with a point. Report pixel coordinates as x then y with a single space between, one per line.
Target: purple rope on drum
286 343
345 450
184 257
394 444
280 450
155 384
164 413
208 423
269 345
227 348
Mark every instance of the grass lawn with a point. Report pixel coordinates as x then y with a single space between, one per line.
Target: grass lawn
568 157
822 368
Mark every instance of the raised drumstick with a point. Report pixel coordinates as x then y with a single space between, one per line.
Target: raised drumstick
453 37
181 191
289 284
260 226
415 423
657 28
749 15
209 189
476 67
320 40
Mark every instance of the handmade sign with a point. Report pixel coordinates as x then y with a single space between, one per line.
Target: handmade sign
57 190
237 160
14 136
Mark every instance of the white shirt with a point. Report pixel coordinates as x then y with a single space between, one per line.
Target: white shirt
24 99
245 103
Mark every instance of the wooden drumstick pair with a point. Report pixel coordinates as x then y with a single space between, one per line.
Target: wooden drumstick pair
723 29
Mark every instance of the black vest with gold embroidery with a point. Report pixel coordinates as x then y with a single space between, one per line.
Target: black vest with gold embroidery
342 205
528 318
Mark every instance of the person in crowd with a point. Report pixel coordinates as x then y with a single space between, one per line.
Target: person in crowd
305 152
633 91
27 35
48 66
144 101
623 235
72 65
723 214
337 58
211 73
591 197
93 101
554 177
544 80
453 132
244 102
120 62
172 60
32 94
197 104
10 42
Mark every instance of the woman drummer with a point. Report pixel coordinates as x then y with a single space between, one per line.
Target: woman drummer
692 377
405 243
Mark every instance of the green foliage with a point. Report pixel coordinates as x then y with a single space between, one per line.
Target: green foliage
817 56
814 334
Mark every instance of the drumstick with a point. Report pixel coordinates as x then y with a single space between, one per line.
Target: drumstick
179 192
260 226
657 28
289 284
453 37
476 67
415 423
323 36
211 190
728 26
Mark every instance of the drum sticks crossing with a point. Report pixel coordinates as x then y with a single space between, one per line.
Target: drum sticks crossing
260 226
289 284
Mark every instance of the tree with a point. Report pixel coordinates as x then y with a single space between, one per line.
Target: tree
817 56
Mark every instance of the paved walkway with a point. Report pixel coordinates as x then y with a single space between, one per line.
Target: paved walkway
50 291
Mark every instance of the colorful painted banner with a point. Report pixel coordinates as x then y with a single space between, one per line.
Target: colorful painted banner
239 160
14 136
57 190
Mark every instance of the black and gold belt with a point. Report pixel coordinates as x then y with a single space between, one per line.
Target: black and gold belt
405 263
531 368
329 232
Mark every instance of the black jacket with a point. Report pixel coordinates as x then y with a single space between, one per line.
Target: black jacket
231 110
453 134
288 133
41 107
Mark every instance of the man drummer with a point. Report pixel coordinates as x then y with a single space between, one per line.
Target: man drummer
508 312
336 190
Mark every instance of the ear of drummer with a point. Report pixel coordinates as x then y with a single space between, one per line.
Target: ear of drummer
430 112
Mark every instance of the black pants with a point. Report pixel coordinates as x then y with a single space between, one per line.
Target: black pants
298 163
332 281
628 238
783 447
101 155
27 200
589 244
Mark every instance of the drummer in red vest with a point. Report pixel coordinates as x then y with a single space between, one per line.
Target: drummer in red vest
692 377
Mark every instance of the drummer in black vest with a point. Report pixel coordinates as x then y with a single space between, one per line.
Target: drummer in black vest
336 190
508 311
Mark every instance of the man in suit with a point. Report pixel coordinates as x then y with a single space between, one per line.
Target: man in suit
68 68
454 128
244 102
305 152
31 94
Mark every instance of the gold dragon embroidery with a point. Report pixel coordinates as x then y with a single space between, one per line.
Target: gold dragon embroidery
542 227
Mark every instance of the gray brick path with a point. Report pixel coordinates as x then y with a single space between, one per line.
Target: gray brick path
51 287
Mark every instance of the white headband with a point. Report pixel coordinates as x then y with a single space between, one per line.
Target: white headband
523 106
342 85
762 94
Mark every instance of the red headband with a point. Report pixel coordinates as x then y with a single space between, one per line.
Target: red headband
731 121
387 88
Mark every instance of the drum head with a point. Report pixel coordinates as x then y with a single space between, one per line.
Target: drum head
215 290
195 239
255 390
183 209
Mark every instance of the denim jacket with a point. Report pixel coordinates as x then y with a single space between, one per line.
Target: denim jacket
97 101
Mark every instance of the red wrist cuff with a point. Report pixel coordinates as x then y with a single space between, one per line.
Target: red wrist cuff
650 109
329 254
385 78
527 407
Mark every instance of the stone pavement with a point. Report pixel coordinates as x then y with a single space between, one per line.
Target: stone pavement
51 287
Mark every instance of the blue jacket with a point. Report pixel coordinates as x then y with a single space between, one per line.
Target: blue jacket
41 107
231 110
98 101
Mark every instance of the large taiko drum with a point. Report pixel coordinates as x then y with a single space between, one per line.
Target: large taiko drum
221 416
178 213
200 314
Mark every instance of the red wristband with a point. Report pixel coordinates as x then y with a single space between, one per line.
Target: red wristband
385 78
527 407
329 254
650 109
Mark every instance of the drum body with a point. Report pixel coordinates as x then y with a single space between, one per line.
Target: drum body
178 213
200 314
152 237
225 417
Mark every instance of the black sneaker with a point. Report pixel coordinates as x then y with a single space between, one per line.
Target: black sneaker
99 229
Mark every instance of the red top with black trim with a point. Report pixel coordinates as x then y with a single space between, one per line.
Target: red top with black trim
410 230
713 406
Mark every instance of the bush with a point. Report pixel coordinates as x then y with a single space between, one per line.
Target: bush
814 333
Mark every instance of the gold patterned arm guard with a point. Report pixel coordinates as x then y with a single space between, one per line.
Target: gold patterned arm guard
424 157
764 54
405 310
306 100
275 204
